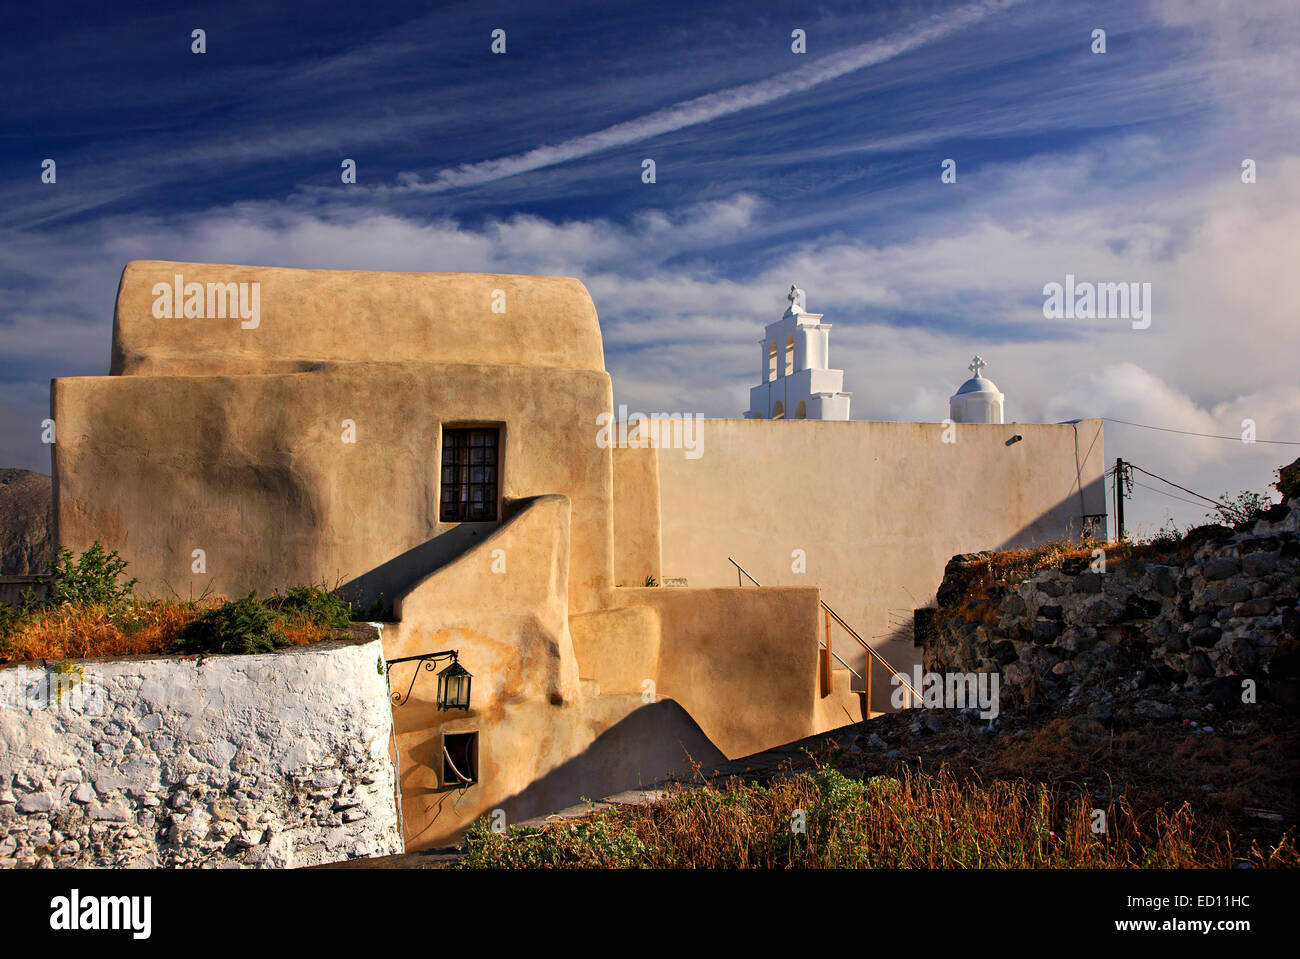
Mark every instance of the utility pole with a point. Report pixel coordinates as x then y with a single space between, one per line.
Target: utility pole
1121 478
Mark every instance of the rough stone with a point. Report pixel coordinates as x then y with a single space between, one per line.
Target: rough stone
1255 607
1221 568
316 777
26 521
37 802
1227 613
1259 564
1154 709
1205 636
1045 631
1086 583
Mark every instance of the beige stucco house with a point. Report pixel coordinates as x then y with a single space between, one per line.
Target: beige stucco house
433 443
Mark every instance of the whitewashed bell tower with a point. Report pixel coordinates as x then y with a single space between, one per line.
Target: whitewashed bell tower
796 380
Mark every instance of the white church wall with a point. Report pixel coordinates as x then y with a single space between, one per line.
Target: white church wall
833 407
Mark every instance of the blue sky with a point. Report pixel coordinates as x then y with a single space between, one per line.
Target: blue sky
772 167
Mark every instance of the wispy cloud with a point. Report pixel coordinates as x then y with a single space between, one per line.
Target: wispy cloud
713 105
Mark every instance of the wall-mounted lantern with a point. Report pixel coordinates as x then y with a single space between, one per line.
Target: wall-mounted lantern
453 687
453 682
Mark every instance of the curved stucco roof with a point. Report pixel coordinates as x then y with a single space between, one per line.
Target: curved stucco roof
977 384
306 317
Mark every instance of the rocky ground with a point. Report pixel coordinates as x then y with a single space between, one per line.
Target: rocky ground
1155 748
25 522
1214 615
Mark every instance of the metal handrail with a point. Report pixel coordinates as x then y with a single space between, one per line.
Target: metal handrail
819 642
851 631
840 661
854 633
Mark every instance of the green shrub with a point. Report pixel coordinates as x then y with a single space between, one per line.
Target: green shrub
252 625
595 843
379 611
13 615
89 580
240 626
1166 537
314 604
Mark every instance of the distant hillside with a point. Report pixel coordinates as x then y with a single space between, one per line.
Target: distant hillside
26 525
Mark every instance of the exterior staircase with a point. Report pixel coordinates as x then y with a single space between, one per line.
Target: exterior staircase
835 679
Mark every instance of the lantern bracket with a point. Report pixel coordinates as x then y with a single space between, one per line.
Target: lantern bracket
428 659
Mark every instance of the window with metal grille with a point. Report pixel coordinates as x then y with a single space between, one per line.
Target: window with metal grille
469 475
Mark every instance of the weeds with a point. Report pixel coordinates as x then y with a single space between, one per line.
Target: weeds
88 631
241 626
89 580
88 612
302 615
821 819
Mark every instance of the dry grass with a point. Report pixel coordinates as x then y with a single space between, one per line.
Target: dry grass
916 821
1241 776
126 629
83 632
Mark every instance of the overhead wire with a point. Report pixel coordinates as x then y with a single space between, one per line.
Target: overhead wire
1212 436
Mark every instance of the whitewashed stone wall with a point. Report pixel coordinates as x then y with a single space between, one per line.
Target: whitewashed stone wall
263 761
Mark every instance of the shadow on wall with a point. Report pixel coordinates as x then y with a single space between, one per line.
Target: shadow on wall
898 646
656 742
1068 513
387 581
653 743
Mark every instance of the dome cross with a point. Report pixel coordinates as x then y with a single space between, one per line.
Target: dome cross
795 296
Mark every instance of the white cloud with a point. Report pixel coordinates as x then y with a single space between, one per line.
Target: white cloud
1250 53
681 336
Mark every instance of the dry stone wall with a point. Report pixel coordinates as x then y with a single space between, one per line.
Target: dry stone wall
261 761
1226 614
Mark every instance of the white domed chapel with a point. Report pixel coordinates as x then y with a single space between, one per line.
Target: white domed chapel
978 400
